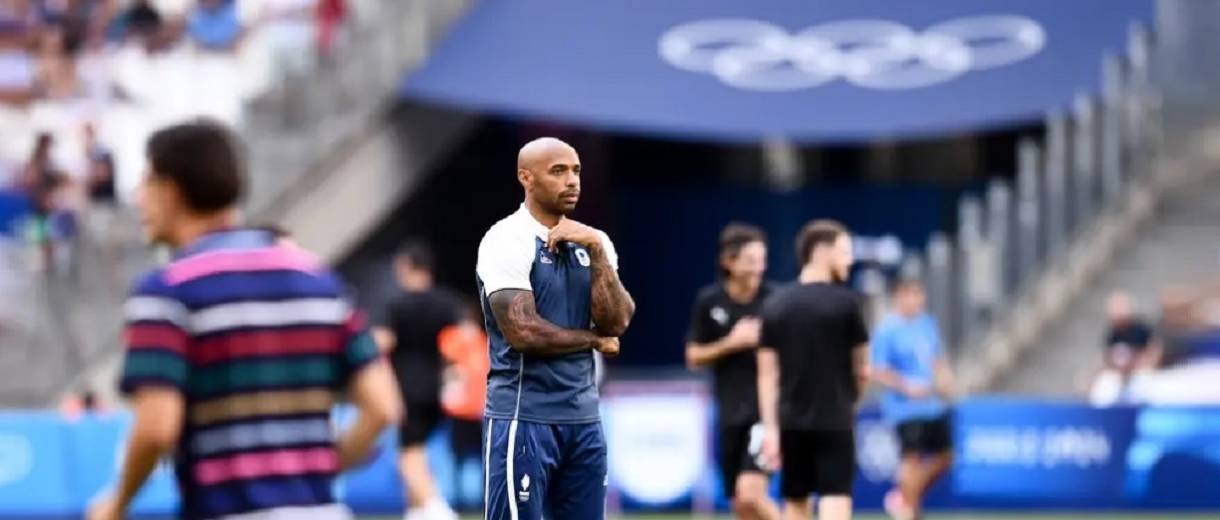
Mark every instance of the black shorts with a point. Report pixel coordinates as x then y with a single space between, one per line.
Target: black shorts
467 438
738 452
421 420
925 436
817 461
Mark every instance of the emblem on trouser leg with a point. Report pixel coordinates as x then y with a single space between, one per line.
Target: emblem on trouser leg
524 494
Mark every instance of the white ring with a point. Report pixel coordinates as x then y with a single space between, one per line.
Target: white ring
876 54
1013 38
686 46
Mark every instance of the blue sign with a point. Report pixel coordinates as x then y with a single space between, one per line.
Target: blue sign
1175 459
1052 453
96 445
33 465
826 71
1010 453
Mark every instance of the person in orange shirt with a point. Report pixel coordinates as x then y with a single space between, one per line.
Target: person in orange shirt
463 394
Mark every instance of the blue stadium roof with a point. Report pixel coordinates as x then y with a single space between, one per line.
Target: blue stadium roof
826 70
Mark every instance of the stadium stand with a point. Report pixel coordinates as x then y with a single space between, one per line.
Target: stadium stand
302 84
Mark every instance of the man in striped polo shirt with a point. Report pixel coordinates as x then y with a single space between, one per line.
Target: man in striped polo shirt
237 350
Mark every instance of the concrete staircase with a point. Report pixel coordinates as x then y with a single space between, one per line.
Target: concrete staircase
1179 245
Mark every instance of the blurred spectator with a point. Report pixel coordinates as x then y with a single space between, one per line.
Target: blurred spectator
1129 337
214 25
72 18
54 211
100 173
57 77
331 16
1130 352
99 183
39 165
141 23
18 72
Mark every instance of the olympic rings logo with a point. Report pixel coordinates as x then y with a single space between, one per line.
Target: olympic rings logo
877 54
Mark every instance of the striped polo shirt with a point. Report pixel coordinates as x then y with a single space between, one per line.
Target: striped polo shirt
259 339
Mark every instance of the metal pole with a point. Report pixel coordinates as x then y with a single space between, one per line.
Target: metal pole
971 259
1056 184
1139 86
1083 161
938 279
1000 236
1030 248
1111 129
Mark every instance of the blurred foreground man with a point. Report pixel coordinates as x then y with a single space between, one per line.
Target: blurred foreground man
916 381
414 321
236 351
551 298
723 335
812 366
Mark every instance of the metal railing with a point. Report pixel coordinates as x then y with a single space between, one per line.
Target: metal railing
1091 163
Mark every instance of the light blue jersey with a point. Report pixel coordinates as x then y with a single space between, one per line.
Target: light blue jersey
910 348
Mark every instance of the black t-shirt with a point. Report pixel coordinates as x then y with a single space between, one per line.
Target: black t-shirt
736 383
814 329
417 318
1134 334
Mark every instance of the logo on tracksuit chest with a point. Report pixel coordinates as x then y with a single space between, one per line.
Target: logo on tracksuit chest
581 254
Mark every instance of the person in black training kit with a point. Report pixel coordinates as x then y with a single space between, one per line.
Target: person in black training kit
724 336
413 321
812 367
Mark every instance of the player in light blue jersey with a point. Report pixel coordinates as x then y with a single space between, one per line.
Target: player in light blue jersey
551 298
911 367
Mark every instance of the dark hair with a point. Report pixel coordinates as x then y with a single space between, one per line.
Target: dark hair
419 254
735 236
204 160
814 234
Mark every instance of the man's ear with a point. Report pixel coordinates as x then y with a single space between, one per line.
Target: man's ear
525 177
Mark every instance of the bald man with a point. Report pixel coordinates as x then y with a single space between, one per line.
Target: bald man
551 299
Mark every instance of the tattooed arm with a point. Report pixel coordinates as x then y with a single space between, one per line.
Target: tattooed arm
529 333
612 306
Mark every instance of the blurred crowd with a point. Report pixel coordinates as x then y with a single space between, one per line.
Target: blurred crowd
83 82
48 47
80 78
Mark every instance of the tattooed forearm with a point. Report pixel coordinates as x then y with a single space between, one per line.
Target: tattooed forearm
612 305
528 332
